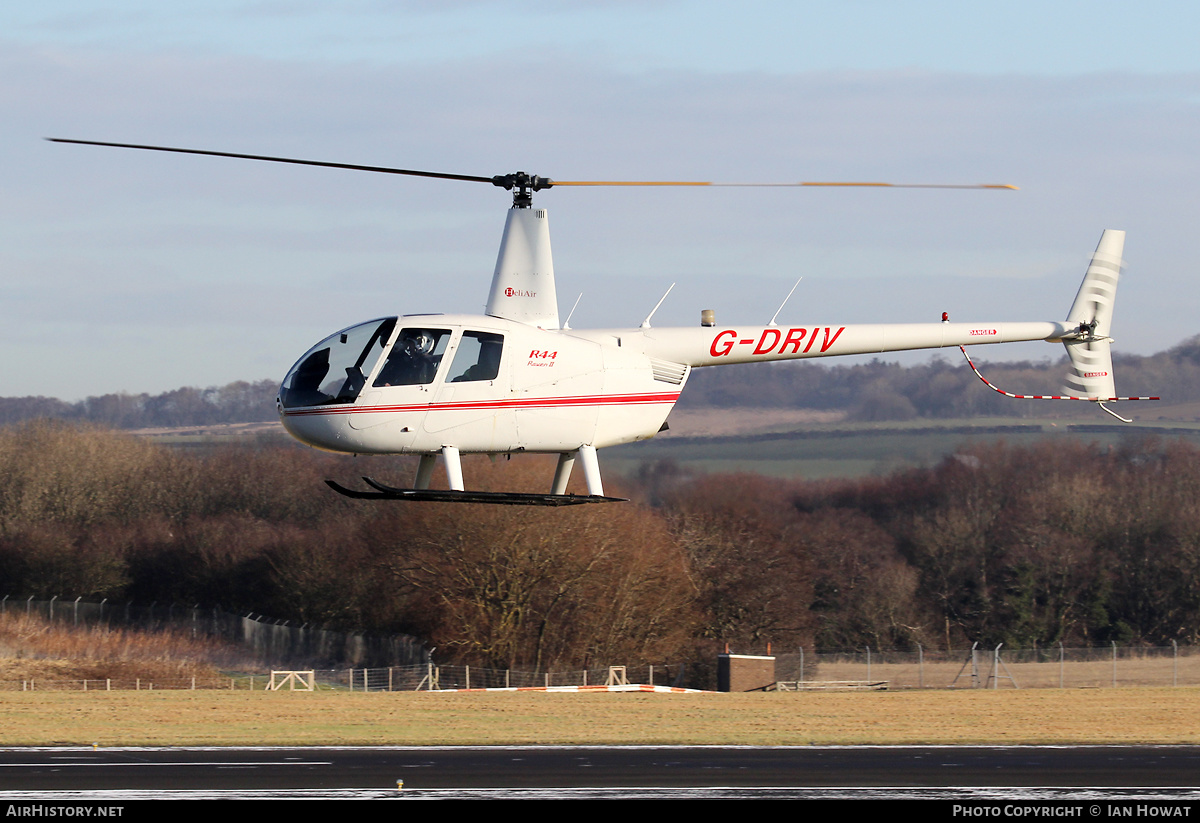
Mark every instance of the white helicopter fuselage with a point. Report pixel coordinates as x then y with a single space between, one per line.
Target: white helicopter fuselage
557 390
512 380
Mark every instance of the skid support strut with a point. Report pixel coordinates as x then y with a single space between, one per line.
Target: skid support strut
566 462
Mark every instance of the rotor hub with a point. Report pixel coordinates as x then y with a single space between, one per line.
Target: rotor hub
522 185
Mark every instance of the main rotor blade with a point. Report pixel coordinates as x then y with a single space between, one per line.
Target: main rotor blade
352 166
520 179
783 185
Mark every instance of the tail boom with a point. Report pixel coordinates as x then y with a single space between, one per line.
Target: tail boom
716 346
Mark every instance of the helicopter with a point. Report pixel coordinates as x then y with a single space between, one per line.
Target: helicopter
516 380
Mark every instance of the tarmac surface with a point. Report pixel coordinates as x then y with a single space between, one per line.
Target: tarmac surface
926 772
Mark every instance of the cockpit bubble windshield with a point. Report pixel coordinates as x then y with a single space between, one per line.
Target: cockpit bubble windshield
335 370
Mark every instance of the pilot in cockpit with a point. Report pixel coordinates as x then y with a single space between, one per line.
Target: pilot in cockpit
411 361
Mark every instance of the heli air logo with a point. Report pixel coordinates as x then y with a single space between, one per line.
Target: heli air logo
511 292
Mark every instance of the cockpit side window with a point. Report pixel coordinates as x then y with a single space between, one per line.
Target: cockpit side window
477 358
414 359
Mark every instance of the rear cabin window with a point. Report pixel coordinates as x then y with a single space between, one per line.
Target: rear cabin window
477 358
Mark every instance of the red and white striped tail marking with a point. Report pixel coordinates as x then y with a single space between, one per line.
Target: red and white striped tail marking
1100 401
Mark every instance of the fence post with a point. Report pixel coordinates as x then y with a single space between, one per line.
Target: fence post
1114 675
920 666
1174 663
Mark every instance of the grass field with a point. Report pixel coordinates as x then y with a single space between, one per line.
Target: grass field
803 443
817 450
1028 716
185 718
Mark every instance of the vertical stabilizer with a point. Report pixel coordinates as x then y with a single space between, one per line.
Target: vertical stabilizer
1091 372
523 284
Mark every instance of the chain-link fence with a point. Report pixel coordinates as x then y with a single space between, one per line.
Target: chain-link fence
365 660
1105 667
475 677
422 677
263 637
997 668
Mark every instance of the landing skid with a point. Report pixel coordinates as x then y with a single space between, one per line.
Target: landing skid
384 492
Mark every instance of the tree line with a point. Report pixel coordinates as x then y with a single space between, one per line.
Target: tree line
1066 543
944 387
237 402
865 390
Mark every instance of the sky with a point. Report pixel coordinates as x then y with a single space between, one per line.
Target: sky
143 272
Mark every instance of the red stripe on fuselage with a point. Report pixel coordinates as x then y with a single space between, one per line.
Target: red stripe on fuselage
518 403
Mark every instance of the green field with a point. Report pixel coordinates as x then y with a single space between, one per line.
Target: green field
857 450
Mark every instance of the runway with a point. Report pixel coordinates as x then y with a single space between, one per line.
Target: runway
925 772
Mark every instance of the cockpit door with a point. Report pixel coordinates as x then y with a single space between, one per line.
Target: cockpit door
401 388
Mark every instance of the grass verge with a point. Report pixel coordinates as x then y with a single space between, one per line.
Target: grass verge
200 718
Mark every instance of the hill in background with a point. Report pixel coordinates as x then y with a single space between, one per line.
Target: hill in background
857 391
